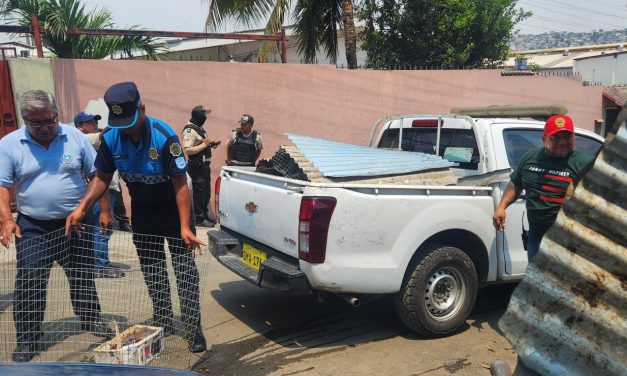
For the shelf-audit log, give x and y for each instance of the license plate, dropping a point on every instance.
(252, 256)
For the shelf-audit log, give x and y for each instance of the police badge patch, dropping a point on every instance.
(153, 154)
(175, 149)
(116, 109)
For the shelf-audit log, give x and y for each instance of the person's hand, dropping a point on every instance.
(207, 141)
(215, 144)
(106, 222)
(6, 233)
(498, 219)
(190, 240)
(73, 222)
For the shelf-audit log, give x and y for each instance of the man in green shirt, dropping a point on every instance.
(545, 174)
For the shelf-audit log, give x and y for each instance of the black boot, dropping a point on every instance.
(198, 343)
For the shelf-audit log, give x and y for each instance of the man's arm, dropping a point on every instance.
(509, 196)
(188, 139)
(97, 187)
(7, 225)
(258, 146)
(257, 154)
(182, 203)
(106, 219)
(191, 150)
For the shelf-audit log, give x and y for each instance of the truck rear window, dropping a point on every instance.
(423, 140)
(520, 141)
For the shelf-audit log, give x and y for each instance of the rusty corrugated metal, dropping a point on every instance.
(568, 315)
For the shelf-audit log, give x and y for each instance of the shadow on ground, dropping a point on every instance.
(289, 329)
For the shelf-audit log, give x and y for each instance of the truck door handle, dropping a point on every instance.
(295, 188)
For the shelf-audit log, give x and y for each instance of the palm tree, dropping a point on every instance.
(315, 23)
(57, 16)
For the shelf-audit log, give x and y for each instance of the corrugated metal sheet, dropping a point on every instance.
(336, 159)
(568, 316)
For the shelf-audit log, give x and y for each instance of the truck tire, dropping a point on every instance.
(438, 291)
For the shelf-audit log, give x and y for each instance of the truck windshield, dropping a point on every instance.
(520, 141)
(423, 140)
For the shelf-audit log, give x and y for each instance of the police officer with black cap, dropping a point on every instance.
(197, 146)
(244, 146)
(149, 158)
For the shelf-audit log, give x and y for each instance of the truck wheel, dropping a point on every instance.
(438, 292)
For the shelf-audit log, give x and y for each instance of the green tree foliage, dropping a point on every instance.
(57, 16)
(315, 23)
(438, 33)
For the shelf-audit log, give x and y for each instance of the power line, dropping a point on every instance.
(574, 7)
(609, 5)
(569, 23)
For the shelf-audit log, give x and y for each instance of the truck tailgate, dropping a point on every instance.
(262, 208)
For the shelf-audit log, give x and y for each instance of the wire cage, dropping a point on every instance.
(49, 298)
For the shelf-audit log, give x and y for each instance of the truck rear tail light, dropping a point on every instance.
(216, 197)
(424, 123)
(313, 228)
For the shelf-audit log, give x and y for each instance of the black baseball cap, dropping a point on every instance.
(200, 110)
(124, 102)
(247, 119)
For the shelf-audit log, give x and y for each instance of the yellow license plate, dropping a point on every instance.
(252, 256)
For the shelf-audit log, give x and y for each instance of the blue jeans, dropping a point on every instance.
(533, 245)
(101, 241)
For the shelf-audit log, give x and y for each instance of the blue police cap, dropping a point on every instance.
(83, 117)
(124, 102)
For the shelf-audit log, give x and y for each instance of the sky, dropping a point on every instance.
(548, 15)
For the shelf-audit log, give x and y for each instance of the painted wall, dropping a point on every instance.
(314, 100)
(30, 74)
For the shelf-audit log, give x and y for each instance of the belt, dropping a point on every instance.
(202, 159)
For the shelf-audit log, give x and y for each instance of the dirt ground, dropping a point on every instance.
(254, 331)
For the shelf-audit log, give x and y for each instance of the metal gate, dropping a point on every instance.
(8, 121)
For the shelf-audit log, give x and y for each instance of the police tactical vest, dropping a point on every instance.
(204, 152)
(244, 148)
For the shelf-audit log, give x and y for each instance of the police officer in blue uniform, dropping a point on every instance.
(149, 158)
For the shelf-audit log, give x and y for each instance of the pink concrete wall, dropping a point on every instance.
(314, 100)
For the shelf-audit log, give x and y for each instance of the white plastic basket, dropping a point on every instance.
(137, 345)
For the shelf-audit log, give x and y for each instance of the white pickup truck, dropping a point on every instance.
(432, 247)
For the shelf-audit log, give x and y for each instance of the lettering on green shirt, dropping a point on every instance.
(545, 181)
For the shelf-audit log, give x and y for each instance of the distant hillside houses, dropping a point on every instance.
(566, 39)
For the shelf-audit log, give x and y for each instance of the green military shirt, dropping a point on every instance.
(545, 181)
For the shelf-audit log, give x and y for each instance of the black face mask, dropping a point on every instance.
(199, 119)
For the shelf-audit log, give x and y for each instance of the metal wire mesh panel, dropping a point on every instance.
(52, 295)
(285, 164)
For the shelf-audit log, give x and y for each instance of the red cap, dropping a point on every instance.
(558, 123)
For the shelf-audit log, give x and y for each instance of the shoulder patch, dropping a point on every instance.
(175, 149)
(180, 162)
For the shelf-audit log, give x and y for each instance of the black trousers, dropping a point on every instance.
(149, 241)
(119, 210)
(42, 243)
(200, 172)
